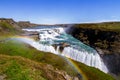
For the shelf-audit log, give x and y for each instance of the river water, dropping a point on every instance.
(73, 48)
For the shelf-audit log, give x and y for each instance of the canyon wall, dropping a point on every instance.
(105, 40)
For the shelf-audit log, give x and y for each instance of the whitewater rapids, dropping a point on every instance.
(76, 51)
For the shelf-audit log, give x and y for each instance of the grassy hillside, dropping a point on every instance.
(19, 68)
(21, 49)
(7, 29)
(24, 50)
(106, 26)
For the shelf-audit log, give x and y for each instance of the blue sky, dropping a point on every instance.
(61, 11)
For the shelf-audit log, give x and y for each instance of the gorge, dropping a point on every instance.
(68, 41)
(54, 39)
(105, 38)
(105, 41)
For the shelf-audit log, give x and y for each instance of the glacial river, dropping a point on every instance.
(72, 48)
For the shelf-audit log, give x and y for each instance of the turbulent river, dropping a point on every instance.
(57, 41)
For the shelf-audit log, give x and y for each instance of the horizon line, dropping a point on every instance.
(92, 22)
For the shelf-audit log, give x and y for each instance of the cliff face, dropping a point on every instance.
(106, 42)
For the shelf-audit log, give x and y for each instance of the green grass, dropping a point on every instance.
(15, 72)
(107, 26)
(7, 29)
(18, 68)
(96, 74)
(6, 25)
(14, 48)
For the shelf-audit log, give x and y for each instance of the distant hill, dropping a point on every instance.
(10, 23)
(8, 26)
(24, 24)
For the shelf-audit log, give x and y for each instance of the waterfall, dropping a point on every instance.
(76, 51)
(89, 59)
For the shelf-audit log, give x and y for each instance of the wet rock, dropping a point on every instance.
(55, 46)
(61, 46)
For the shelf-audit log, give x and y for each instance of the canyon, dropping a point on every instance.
(104, 42)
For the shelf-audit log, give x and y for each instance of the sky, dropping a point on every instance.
(60, 11)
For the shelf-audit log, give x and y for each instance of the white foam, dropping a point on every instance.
(88, 58)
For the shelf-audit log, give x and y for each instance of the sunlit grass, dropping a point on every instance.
(18, 68)
(15, 48)
(107, 26)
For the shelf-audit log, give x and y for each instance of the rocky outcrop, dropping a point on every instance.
(61, 46)
(106, 42)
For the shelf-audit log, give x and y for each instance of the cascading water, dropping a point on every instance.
(75, 49)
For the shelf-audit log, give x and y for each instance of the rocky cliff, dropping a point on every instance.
(105, 38)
